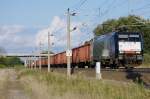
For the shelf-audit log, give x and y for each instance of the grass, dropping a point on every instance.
(2, 66)
(60, 87)
(146, 60)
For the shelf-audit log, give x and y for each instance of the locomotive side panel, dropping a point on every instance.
(103, 47)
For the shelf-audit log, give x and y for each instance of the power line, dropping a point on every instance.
(143, 13)
(103, 3)
(80, 4)
(108, 8)
(114, 7)
(106, 11)
(141, 8)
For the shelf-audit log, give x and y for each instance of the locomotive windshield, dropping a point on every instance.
(129, 37)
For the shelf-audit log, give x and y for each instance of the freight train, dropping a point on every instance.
(113, 50)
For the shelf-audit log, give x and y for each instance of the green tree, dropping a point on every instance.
(10, 61)
(2, 61)
(132, 22)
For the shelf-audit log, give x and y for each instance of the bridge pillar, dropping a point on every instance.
(25, 63)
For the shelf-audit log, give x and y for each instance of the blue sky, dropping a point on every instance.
(23, 23)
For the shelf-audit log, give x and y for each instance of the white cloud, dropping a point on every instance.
(20, 38)
(9, 30)
(12, 38)
(56, 25)
(58, 29)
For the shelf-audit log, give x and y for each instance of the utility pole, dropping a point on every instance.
(32, 62)
(49, 64)
(28, 64)
(128, 7)
(40, 47)
(35, 59)
(99, 12)
(68, 45)
(69, 51)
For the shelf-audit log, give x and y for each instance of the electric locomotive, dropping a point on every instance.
(118, 49)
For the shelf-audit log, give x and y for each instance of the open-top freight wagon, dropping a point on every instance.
(113, 49)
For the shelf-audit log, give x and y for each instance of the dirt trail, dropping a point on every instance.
(10, 86)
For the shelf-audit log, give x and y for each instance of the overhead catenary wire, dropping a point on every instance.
(99, 16)
(102, 14)
(143, 13)
(108, 8)
(102, 4)
(80, 4)
(141, 8)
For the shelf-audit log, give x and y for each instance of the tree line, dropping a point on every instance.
(9, 61)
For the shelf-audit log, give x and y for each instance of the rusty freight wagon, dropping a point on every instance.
(80, 56)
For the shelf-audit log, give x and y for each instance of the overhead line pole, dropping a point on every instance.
(129, 7)
(68, 45)
(32, 60)
(35, 59)
(40, 55)
(49, 64)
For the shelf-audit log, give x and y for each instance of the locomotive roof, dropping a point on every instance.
(115, 33)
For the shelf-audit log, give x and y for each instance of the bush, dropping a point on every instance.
(146, 59)
(2, 66)
(10, 61)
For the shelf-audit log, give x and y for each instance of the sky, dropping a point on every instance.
(25, 23)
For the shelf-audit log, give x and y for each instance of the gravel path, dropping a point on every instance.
(10, 86)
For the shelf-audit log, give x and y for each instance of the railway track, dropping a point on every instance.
(142, 70)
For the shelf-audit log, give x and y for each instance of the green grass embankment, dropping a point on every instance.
(146, 61)
(55, 86)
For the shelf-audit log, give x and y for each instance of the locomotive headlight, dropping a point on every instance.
(121, 52)
(138, 52)
(139, 57)
(120, 57)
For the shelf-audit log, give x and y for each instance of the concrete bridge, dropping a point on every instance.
(25, 55)
(29, 59)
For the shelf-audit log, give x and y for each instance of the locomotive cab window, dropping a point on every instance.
(123, 37)
(130, 38)
(134, 38)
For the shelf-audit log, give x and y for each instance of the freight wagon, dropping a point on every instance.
(113, 49)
